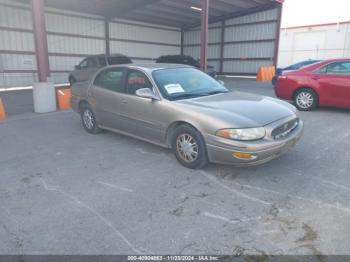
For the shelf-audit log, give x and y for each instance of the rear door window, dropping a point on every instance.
(111, 79)
(338, 68)
(341, 68)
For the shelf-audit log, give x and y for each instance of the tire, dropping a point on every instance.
(88, 119)
(195, 156)
(72, 80)
(306, 99)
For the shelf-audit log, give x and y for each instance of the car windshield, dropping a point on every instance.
(182, 83)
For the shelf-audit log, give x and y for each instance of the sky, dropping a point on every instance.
(306, 12)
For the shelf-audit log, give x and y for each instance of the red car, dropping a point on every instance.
(326, 83)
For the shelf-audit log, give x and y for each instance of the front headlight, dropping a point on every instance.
(245, 134)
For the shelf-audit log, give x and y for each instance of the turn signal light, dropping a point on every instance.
(244, 155)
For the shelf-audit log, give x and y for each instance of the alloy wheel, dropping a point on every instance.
(88, 118)
(187, 148)
(304, 100)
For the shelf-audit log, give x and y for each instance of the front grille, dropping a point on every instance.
(284, 129)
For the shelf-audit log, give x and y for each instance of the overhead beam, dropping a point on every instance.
(131, 6)
(185, 6)
(241, 4)
(163, 15)
(153, 20)
(158, 18)
(234, 15)
(173, 11)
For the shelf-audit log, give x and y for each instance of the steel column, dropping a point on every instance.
(222, 45)
(182, 41)
(40, 37)
(204, 34)
(278, 31)
(107, 37)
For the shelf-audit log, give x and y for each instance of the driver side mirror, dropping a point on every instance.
(146, 93)
(77, 67)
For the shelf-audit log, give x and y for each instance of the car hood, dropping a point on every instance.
(241, 109)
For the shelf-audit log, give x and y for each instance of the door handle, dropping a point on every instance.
(124, 101)
(315, 77)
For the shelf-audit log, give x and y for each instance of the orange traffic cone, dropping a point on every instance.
(63, 98)
(2, 110)
(265, 73)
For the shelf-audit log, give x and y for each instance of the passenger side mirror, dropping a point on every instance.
(146, 93)
(221, 82)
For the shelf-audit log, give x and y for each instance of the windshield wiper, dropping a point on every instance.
(187, 95)
(191, 95)
(216, 92)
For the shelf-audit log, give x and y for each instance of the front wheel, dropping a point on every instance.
(189, 147)
(305, 99)
(89, 120)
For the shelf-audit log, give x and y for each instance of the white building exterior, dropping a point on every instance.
(314, 42)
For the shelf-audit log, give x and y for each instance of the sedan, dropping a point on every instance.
(90, 65)
(181, 108)
(326, 84)
(293, 67)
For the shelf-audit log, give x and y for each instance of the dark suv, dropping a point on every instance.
(89, 66)
(185, 60)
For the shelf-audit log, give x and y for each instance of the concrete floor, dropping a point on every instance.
(64, 191)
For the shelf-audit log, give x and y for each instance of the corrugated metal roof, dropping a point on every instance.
(166, 12)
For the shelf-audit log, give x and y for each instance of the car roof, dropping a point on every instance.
(320, 64)
(152, 66)
(336, 60)
(328, 61)
(104, 55)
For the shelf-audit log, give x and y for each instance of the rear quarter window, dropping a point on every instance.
(111, 79)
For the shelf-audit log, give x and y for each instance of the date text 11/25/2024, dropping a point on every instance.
(173, 258)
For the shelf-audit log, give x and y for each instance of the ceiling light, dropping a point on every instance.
(196, 8)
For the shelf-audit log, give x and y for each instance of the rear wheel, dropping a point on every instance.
(89, 120)
(189, 147)
(306, 99)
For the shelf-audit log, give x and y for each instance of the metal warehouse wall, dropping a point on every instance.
(249, 42)
(72, 36)
(314, 42)
(17, 51)
(143, 42)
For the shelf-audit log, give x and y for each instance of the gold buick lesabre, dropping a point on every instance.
(184, 109)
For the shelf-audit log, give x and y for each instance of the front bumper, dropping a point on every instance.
(220, 150)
